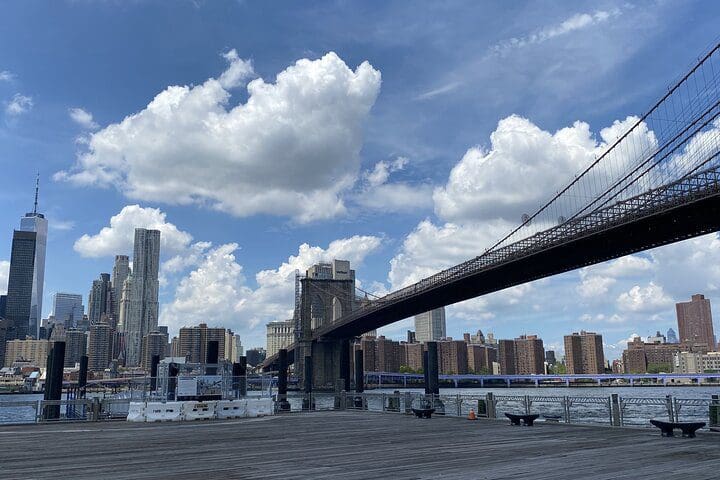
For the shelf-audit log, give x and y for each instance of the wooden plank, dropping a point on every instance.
(353, 445)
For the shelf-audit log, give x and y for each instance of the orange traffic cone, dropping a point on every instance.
(471, 415)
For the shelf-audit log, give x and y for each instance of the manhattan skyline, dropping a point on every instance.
(387, 189)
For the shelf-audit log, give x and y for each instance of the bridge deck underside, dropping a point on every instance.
(351, 445)
(683, 221)
(680, 223)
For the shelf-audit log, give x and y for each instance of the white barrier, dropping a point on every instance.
(259, 407)
(136, 412)
(178, 411)
(164, 411)
(199, 410)
(231, 409)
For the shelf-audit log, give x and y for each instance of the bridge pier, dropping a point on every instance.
(331, 364)
(282, 403)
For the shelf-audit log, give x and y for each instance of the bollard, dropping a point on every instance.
(82, 376)
(615, 419)
(566, 409)
(308, 402)
(359, 378)
(432, 368)
(282, 403)
(345, 365)
(54, 379)
(425, 372)
(154, 362)
(242, 360)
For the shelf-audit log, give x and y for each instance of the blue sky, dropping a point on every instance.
(262, 137)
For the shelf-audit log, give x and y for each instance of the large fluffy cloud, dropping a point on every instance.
(524, 167)
(118, 238)
(291, 149)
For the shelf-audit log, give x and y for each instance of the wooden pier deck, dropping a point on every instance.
(351, 445)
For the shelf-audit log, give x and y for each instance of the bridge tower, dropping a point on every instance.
(327, 292)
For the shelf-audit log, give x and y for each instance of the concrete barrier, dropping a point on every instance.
(164, 411)
(231, 409)
(136, 412)
(199, 410)
(259, 407)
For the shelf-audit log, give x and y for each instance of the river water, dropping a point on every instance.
(589, 404)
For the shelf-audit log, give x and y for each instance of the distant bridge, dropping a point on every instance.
(658, 183)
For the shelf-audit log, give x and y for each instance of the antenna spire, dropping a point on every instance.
(37, 188)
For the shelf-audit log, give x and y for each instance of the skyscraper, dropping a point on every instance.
(100, 300)
(430, 326)
(36, 222)
(75, 346)
(695, 323)
(68, 309)
(142, 317)
(20, 284)
(99, 346)
(671, 336)
(121, 270)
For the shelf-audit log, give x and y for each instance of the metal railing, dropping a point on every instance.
(613, 410)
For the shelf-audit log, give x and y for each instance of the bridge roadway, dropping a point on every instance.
(350, 445)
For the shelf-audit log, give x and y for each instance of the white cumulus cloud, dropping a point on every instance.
(18, 105)
(291, 149)
(651, 298)
(380, 195)
(82, 118)
(216, 290)
(4, 272)
(118, 238)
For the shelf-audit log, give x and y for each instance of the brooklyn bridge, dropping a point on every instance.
(658, 183)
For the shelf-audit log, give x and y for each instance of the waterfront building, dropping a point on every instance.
(99, 346)
(37, 223)
(33, 351)
(194, 341)
(430, 326)
(642, 357)
(100, 300)
(506, 357)
(20, 284)
(255, 356)
(584, 353)
(141, 316)
(481, 358)
(280, 334)
(154, 343)
(75, 346)
(453, 357)
(695, 325)
(68, 309)
(121, 271)
(696, 362)
(671, 336)
(529, 355)
(413, 356)
(388, 355)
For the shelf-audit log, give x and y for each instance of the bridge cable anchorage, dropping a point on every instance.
(668, 157)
